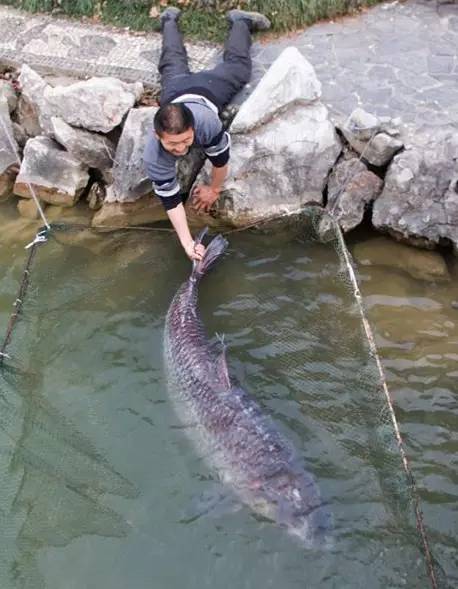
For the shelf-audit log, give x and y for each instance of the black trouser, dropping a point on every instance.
(219, 84)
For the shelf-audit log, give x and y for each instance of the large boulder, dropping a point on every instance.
(351, 188)
(283, 164)
(94, 150)
(419, 201)
(290, 79)
(130, 181)
(56, 176)
(8, 151)
(97, 104)
(33, 112)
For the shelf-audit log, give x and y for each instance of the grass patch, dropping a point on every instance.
(201, 19)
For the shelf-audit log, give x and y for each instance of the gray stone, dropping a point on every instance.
(33, 102)
(420, 264)
(19, 135)
(290, 79)
(361, 126)
(130, 181)
(7, 91)
(378, 150)
(420, 198)
(280, 167)
(96, 151)
(28, 118)
(98, 104)
(56, 176)
(8, 151)
(351, 188)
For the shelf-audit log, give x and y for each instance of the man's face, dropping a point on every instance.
(177, 144)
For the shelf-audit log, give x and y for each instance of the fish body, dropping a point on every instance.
(227, 425)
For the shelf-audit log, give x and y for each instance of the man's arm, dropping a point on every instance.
(160, 168)
(218, 152)
(204, 196)
(177, 216)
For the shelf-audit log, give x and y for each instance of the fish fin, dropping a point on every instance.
(214, 250)
(221, 363)
(215, 501)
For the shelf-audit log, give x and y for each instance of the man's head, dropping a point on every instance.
(174, 126)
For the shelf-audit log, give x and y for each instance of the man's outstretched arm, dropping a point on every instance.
(177, 216)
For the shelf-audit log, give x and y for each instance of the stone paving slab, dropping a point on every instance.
(62, 46)
(398, 58)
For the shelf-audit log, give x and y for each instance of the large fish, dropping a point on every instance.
(229, 428)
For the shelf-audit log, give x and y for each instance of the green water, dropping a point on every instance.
(98, 477)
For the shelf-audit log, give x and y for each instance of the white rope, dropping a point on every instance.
(18, 159)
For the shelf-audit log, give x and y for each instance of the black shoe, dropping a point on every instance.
(255, 20)
(170, 13)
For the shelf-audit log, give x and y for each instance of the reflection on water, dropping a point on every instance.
(96, 475)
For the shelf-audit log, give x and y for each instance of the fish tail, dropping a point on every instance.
(214, 250)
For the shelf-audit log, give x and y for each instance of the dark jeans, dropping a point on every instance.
(219, 84)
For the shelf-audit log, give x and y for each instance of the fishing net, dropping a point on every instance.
(96, 471)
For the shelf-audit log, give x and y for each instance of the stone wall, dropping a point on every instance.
(83, 141)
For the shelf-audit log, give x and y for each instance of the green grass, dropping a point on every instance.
(197, 21)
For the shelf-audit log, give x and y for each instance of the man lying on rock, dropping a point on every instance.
(188, 115)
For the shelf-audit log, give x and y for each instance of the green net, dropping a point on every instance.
(97, 472)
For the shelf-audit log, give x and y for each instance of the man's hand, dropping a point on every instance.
(203, 197)
(193, 251)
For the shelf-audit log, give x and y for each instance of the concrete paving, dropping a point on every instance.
(398, 59)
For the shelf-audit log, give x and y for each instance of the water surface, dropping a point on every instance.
(99, 477)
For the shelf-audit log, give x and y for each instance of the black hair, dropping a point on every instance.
(173, 119)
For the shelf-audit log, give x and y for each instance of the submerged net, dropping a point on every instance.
(94, 467)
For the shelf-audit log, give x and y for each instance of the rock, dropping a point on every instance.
(189, 167)
(379, 150)
(57, 177)
(130, 181)
(96, 196)
(279, 167)
(19, 135)
(97, 104)
(361, 130)
(351, 188)
(291, 79)
(145, 210)
(33, 104)
(28, 118)
(8, 93)
(420, 264)
(361, 125)
(8, 151)
(96, 151)
(419, 200)
(28, 209)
